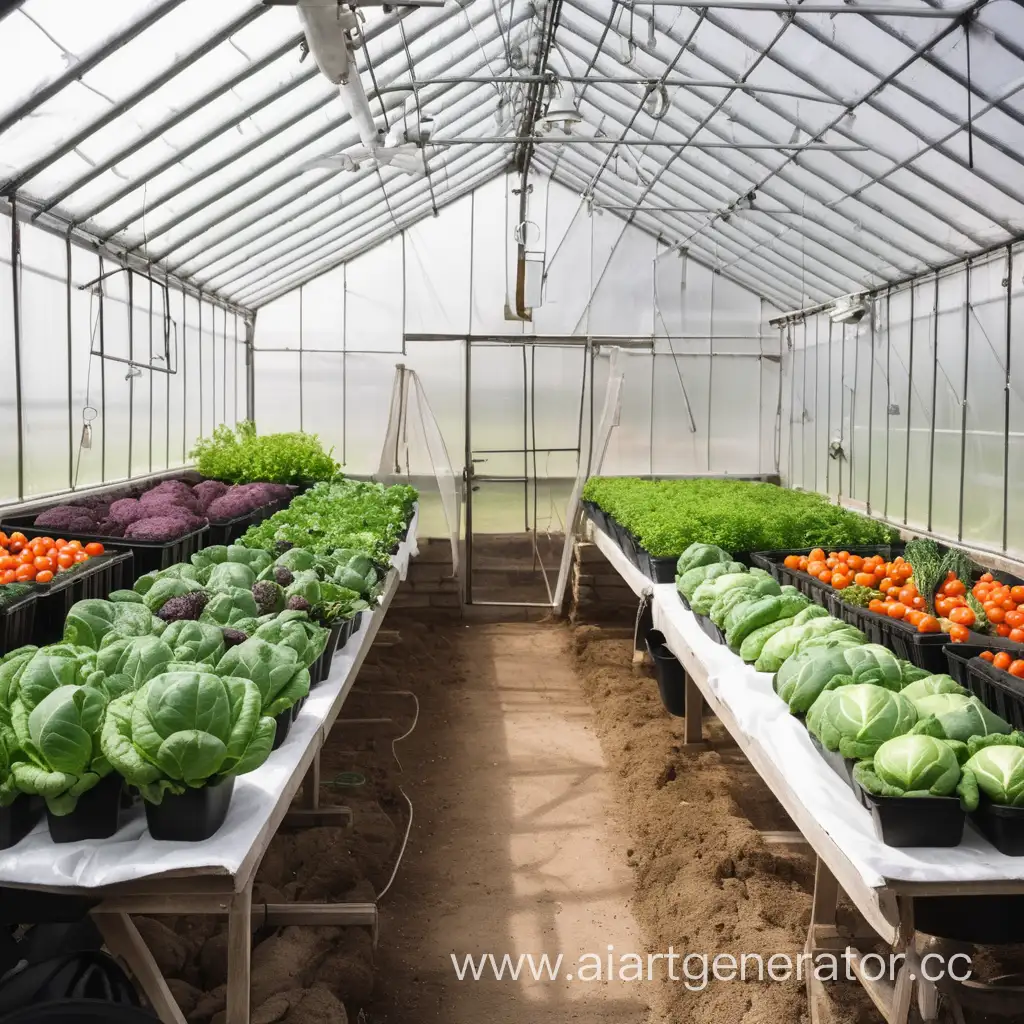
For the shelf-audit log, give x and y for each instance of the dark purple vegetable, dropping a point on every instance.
(208, 491)
(298, 604)
(234, 637)
(162, 528)
(67, 519)
(267, 594)
(126, 511)
(171, 499)
(185, 606)
(283, 576)
(110, 528)
(282, 546)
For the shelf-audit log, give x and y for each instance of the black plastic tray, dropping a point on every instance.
(997, 690)
(96, 815)
(94, 579)
(340, 632)
(657, 569)
(17, 621)
(915, 821)
(18, 819)
(284, 726)
(148, 556)
(1002, 826)
(670, 674)
(710, 628)
(985, 920)
(810, 586)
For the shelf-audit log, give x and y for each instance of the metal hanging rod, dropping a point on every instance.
(490, 140)
(782, 7)
(699, 209)
(673, 82)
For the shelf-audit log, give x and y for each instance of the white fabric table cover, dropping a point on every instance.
(133, 854)
(805, 785)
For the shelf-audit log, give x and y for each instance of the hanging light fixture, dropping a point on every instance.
(561, 115)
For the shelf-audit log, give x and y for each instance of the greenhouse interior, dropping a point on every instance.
(507, 511)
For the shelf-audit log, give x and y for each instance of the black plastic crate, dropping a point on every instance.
(710, 628)
(997, 690)
(657, 569)
(17, 621)
(92, 580)
(810, 586)
(231, 530)
(148, 556)
(958, 657)
(915, 821)
(1002, 826)
(842, 766)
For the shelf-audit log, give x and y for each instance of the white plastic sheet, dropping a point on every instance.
(133, 854)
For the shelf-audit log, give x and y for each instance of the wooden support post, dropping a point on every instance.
(340, 915)
(124, 942)
(821, 929)
(693, 724)
(310, 799)
(239, 954)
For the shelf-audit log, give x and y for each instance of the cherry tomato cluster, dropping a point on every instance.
(1005, 661)
(39, 560)
(1003, 604)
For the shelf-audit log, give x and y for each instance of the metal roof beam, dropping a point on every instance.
(9, 7)
(186, 61)
(95, 56)
(782, 7)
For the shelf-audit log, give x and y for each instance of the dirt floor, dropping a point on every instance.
(554, 811)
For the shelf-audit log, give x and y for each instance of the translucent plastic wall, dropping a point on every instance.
(699, 397)
(922, 402)
(148, 397)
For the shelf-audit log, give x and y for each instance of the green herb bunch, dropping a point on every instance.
(737, 515)
(242, 456)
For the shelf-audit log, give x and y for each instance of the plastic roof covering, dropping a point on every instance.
(184, 144)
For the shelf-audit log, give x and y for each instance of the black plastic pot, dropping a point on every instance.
(915, 821)
(709, 628)
(334, 643)
(1002, 826)
(94, 817)
(985, 920)
(191, 816)
(17, 820)
(669, 672)
(284, 725)
(842, 766)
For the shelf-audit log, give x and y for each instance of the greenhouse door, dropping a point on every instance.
(524, 401)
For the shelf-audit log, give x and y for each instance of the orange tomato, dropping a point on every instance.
(3, 539)
(816, 566)
(18, 537)
(907, 595)
(26, 573)
(914, 616)
(831, 562)
(1002, 660)
(802, 566)
(1017, 592)
(44, 577)
(16, 547)
(928, 624)
(943, 606)
(855, 562)
(94, 549)
(986, 656)
(1014, 619)
(790, 561)
(7, 576)
(843, 556)
(42, 564)
(1017, 668)
(825, 575)
(840, 580)
(953, 588)
(26, 557)
(894, 592)
(982, 591)
(876, 606)
(59, 543)
(896, 610)
(1017, 636)
(1003, 629)
(986, 577)
(75, 545)
(995, 614)
(864, 579)
(65, 560)
(959, 634)
(962, 616)
(817, 555)
(81, 556)
(885, 583)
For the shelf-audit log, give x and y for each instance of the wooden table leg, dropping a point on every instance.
(239, 955)
(310, 799)
(693, 724)
(124, 942)
(821, 929)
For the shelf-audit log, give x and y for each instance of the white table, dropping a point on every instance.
(131, 873)
(882, 881)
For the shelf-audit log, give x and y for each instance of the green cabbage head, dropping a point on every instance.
(90, 621)
(295, 630)
(8, 787)
(995, 769)
(960, 716)
(857, 719)
(195, 641)
(60, 738)
(186, 729)
(912, 766)
(128, 662)
(274, 668)
(928, 686)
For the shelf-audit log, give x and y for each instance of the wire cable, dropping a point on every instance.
(394, 754)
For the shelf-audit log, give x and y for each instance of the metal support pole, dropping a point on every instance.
(1006, 395)
(935, 381)
(16, 310)
(250, 369)
(888, 392)
(71, 422)
(910, 393)
(871, 406)
(963, 400)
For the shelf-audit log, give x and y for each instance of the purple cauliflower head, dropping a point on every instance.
(161, 528)
(110, 528)
(126, 511)
(234, 637)
(296, 603)
(165, 505)
(208, 491)
(67, 519)
(171, 498)
(230, 505)
(184, 606)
